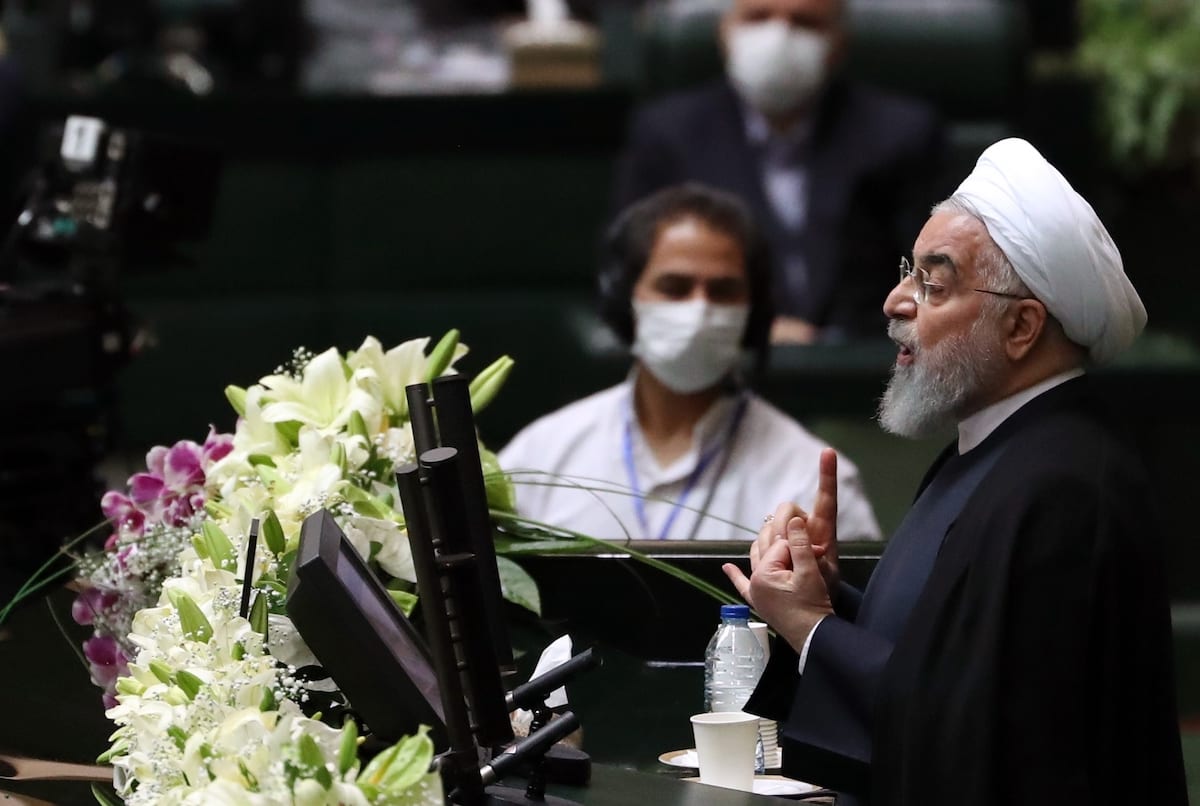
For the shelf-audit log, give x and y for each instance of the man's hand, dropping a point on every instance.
(794, 561)
(822, 523)
(786, 587)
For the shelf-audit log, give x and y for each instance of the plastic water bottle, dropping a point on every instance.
(733, 663)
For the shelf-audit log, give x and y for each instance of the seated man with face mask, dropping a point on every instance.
(682, 449)
(839, 174)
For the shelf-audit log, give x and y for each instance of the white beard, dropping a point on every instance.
(932, 392)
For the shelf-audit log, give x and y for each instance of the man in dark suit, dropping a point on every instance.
(838, 174)
(1014, 643)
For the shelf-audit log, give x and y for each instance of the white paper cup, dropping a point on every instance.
(725, 744)
(759, 628)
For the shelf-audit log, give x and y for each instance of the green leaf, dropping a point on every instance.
(177, 734)
(404, 765)
(236, 396)
(272, 532)
(268, 475)
(373, 773)
(404, 600)
(256, 459)
(250, 778)
(267, 703)
(442, 355)
(217, 510)
(102, 797)
(366, 504)
(496, 483)
(518, 586)
(290, 431)
(358, 426)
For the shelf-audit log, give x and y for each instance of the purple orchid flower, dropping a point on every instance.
(90, 602)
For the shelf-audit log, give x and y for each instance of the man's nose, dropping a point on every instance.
(899, 303)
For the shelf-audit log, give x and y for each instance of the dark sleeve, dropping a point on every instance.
(829, 707)
(649, 163)
(777, 686)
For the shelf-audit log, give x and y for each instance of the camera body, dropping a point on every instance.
(101, 202)
(103, 192)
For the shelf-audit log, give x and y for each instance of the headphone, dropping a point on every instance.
(628, 241)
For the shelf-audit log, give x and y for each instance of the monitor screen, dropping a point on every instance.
(360, 636)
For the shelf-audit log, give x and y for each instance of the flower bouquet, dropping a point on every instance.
(210, 700)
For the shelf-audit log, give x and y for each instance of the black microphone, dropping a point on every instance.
(532, 694)
(530, 747)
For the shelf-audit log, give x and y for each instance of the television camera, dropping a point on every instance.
(102, 202)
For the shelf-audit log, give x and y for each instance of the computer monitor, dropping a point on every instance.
(360, 636)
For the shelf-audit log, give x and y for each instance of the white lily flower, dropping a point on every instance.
(401, 366)
(394, 555)
(324, 397)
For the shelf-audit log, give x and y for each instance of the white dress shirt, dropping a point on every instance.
(771, 458)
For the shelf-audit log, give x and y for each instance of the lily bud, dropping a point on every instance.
(486, 385)
(220, 549)
(441, 356)
(357, 426)
(236, 396)
(161, 670)
(348, 753)
(189, 683)
(130, 685)
(272, 532)
(258, 614)
(195, 624)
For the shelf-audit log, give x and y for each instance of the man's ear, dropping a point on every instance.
(1025, 323)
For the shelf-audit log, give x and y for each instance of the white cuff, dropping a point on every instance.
(807, 644)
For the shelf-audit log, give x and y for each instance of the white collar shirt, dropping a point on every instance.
(570, 471)
(979, 426)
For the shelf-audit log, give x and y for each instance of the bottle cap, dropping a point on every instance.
(735, 611)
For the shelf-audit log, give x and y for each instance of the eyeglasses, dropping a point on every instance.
(927, 289)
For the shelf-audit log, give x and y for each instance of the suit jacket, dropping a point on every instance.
(872, 166)
(1035, 666)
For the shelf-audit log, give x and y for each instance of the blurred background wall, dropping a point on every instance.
(398, 169)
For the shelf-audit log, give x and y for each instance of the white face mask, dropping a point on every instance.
(689, 346)
(776, 68)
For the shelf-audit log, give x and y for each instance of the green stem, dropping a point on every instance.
(60, 573)
(35, 582)
(611, 488)
(62, 630)
(666, 567)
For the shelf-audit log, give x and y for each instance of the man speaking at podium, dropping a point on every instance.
(1013, 644)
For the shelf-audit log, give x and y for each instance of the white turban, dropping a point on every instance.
(1057, 246)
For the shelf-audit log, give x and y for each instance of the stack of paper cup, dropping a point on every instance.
(768, 729)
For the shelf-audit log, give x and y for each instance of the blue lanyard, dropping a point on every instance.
(706, 458)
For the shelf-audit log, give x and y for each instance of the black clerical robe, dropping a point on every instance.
(1034, 667)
